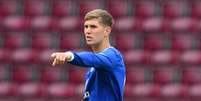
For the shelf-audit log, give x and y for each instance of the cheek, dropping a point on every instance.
(85, 31)
(100, 36)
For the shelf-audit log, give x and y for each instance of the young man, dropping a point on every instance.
(106, 76)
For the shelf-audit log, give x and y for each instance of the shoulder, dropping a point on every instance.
(114, 56)
(111, 53)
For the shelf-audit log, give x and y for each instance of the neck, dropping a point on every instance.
(98, 48)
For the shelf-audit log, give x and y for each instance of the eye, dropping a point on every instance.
(93, 26)
(85, 26)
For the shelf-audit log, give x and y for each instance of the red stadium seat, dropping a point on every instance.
(152, 25)
(191, 75)
(166, 25)
(32, 90)
(70, 41)
(70, 23)
(124, 24)
(41, 41)
(15, 23)
(51, 74)
(45, 56)
(122, 40)
(184, 25)
(24, 56)
(146, 91)
(153, 42)
(117, 8)
(174, 91)
(76, 75)
(22, 74)
(35, 7)
(86, 6)
(144, 9)
(136, 76)
(62, 90)
(165, 57)
(138, 24)
(195, 92)
(8, 8)
(164, 75)
(128, 90)
(14, 41)
(191, 57)
(4, 55)
(7, 89)
(43, 23)
(173, 9)
(161, 57)
(61, 8)
(136, 57)
(181, 42)
(195, 9)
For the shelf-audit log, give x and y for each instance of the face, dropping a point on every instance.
(95, 32)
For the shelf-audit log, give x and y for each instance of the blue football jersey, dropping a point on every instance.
(106, 76)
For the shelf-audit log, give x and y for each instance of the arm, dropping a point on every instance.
(85, 59)
(89, 59)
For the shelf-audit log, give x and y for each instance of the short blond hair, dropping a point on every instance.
(105, 17)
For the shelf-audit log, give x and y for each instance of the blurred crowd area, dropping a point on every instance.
(160, 41)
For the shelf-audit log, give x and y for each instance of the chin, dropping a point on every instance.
(91, 44)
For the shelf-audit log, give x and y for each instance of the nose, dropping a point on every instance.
(87, 30)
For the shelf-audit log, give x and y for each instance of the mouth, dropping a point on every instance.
(89, 38)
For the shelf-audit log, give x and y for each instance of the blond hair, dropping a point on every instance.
(105, 17)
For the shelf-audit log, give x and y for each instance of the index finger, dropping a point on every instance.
(54, 62)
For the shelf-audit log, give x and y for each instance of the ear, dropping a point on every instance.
(108, 30)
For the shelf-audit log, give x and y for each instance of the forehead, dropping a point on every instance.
(94, 21)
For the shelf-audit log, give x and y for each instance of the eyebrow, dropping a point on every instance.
(90, 26)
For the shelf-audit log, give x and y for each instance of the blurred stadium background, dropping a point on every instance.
(160, 40)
